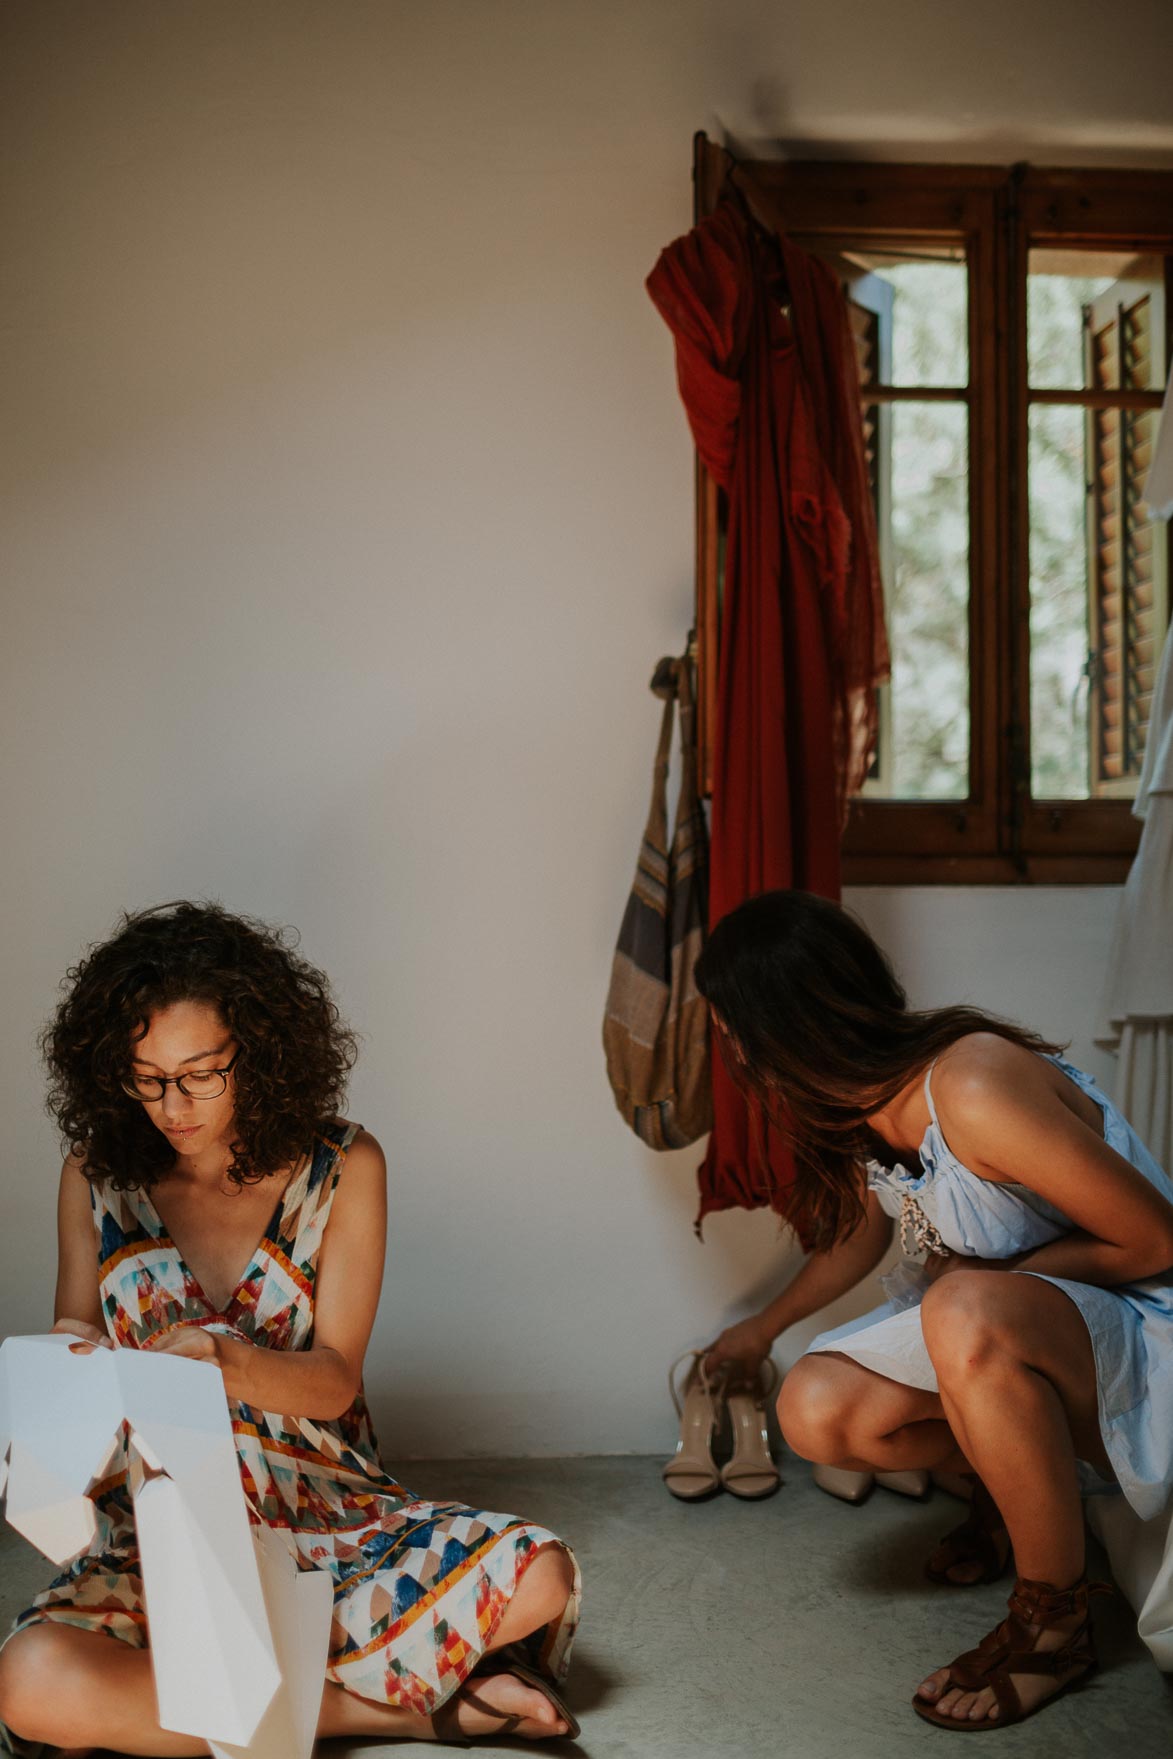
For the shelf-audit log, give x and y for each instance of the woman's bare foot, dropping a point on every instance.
(1032, 1689)
(487, 1701)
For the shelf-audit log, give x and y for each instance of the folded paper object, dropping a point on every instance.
(238, 1635)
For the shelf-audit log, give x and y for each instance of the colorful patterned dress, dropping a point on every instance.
(419, 1587)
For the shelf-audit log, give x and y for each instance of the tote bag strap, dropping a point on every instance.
(664, 684)
(687, 802)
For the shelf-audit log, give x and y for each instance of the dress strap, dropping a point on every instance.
(308, 1209)
(929, 1092)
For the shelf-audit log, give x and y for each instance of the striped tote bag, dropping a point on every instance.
(656, 1029)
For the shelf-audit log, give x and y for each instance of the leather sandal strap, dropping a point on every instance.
(1076, 1652)
(446, 1727)
(971, 1541)
(507, 1720)
(972, 1671)
(697, 1358)
(1005, 1696)
(979, 1671)
(1040, 1603)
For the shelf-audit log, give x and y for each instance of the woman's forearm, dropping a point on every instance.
(822, 1279)
(318, 1382)
(827, 1275)
(1082, 1258)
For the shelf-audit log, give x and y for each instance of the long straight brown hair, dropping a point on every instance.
(817, 1030)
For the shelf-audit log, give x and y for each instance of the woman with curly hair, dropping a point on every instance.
(1039, 1332)
(214, 1205)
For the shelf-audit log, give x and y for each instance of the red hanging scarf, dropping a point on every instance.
(774, 410)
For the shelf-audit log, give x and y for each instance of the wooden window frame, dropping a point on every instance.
(999, 834)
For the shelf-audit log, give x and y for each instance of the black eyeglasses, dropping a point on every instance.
(199, 1084)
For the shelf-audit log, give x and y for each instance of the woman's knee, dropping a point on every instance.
(814, 1411)
(549, 1580)
(37, 1684)
(964, 1320)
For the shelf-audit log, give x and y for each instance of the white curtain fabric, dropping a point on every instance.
(1141, 1554)
(1137, 1023)
(1136, 1013)
(1144, 1083)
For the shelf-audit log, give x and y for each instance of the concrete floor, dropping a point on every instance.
(796, 1628)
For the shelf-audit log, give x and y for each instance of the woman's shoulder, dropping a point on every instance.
(980, 1059)
(346, 1170)
(981, 1068)
(352, 1146)
(76, 1192)
(357, 1193)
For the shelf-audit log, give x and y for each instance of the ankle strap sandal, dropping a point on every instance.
(692, 1474)
(750, 1472)
(1009, 1650)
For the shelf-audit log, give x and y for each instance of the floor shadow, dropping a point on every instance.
(590, 1683)
(893, 1561)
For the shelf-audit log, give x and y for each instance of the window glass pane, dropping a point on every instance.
(1059, 638)
(921, 304)
(1098, 599)
(928, 603)
(1074, 339)
(929, 344)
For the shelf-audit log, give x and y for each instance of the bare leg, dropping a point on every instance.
(73, 1688)
(1018, 1386)
(837, 1413)
(540, 1598)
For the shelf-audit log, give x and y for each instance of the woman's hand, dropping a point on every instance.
(193, 1341)
(742, 1347)
(91, 1337)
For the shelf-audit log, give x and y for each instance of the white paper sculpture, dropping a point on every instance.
(239, 1635)
(300, 1604)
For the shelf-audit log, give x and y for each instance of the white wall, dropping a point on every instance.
(347, 507)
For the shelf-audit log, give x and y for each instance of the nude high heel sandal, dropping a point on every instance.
(751, 1472)
(692, 1474)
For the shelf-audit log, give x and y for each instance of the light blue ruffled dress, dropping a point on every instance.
(1131, 1326)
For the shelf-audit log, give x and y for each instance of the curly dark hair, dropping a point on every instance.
(295, 1050)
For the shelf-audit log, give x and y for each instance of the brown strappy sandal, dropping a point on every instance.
(447, 1730)
(1010, 1650)
(446, 1727)
(980, 1539)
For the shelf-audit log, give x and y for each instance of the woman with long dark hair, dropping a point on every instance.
(1034, 1351)
(213, 1204)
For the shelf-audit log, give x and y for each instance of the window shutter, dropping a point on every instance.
(869, 310)
(1127, 611)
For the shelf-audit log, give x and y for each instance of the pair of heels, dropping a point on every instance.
(854, 1486)
(716, 1410)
